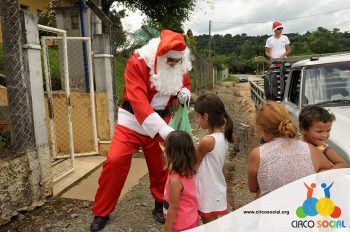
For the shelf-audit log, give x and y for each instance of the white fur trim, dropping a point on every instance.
(159, 101)
(148, 52)
(175, 54)
(125, 118)
(152, 124)
(165, 131)
(280, 26)
(186, 91)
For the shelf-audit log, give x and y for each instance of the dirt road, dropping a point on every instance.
(134, 210)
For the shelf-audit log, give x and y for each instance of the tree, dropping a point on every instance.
(299, 44)
(219, 62)
(260, 62)
(191, 42)
(323, 41)
(248, 51)
(240, 50)
(165, 14)
(160, 14)
(48, 15)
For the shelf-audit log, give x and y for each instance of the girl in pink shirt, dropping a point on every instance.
(180, 195)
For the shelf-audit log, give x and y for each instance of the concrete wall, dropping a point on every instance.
(25, 176)
(24, 182)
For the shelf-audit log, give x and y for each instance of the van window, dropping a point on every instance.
(294, 90)
(327, 83)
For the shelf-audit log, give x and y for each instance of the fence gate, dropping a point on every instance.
(69, 97)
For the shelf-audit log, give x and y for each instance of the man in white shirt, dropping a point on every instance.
(277, 46)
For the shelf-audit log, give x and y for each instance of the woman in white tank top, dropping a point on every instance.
(283, 158)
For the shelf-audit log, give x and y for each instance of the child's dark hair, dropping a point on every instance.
(314, 113)
(180, 153)
(217, 115)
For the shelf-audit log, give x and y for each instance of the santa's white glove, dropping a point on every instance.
(182, 97)
(165, 131)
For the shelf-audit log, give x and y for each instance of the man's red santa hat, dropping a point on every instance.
(171, 44)
(276, 25)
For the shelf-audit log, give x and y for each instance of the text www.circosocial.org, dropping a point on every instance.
(286, 212)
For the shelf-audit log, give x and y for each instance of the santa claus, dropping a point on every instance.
(154, 76)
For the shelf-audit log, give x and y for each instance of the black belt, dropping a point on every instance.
(127, 106)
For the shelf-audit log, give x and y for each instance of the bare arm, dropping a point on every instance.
(206, 144)
(288, 50)
(319, 160)
(336, 160)
(253, 166)
(175, 188)
(267, 53)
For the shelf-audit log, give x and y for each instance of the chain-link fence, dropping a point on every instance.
(16, 123)
(70, 100)
(57, 100)
(5, 131)
(82, 96)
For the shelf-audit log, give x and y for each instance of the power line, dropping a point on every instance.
(287, 19)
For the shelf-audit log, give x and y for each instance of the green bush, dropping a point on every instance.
(54, 63)
(120, 63)
(54, 67)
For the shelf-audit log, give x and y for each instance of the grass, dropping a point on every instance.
(233, 78)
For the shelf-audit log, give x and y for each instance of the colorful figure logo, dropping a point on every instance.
(323, 206)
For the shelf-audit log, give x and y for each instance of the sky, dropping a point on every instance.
(255, 17)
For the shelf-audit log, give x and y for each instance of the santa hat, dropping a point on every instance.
(171, 44)
(276, 25)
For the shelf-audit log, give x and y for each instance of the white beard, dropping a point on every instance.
(168, 80)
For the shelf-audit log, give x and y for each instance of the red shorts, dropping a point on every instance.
(214, 213)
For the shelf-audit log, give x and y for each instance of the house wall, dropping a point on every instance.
(35, 6)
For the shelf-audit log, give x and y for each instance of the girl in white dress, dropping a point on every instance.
(211, 185)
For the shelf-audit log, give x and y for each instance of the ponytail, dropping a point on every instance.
(228, 128)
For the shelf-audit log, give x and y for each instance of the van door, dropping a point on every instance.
(292, 99)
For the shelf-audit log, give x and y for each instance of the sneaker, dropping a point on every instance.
(157, 212)
(98, 223)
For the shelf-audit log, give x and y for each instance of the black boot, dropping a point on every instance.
(98, 223)
(157, 212)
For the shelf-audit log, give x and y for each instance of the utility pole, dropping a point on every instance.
(209, 47)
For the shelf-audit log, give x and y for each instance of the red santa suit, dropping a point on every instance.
(142, 119)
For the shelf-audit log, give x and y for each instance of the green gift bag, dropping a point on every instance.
(180, 121)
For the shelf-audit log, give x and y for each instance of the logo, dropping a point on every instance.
(324, 206)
